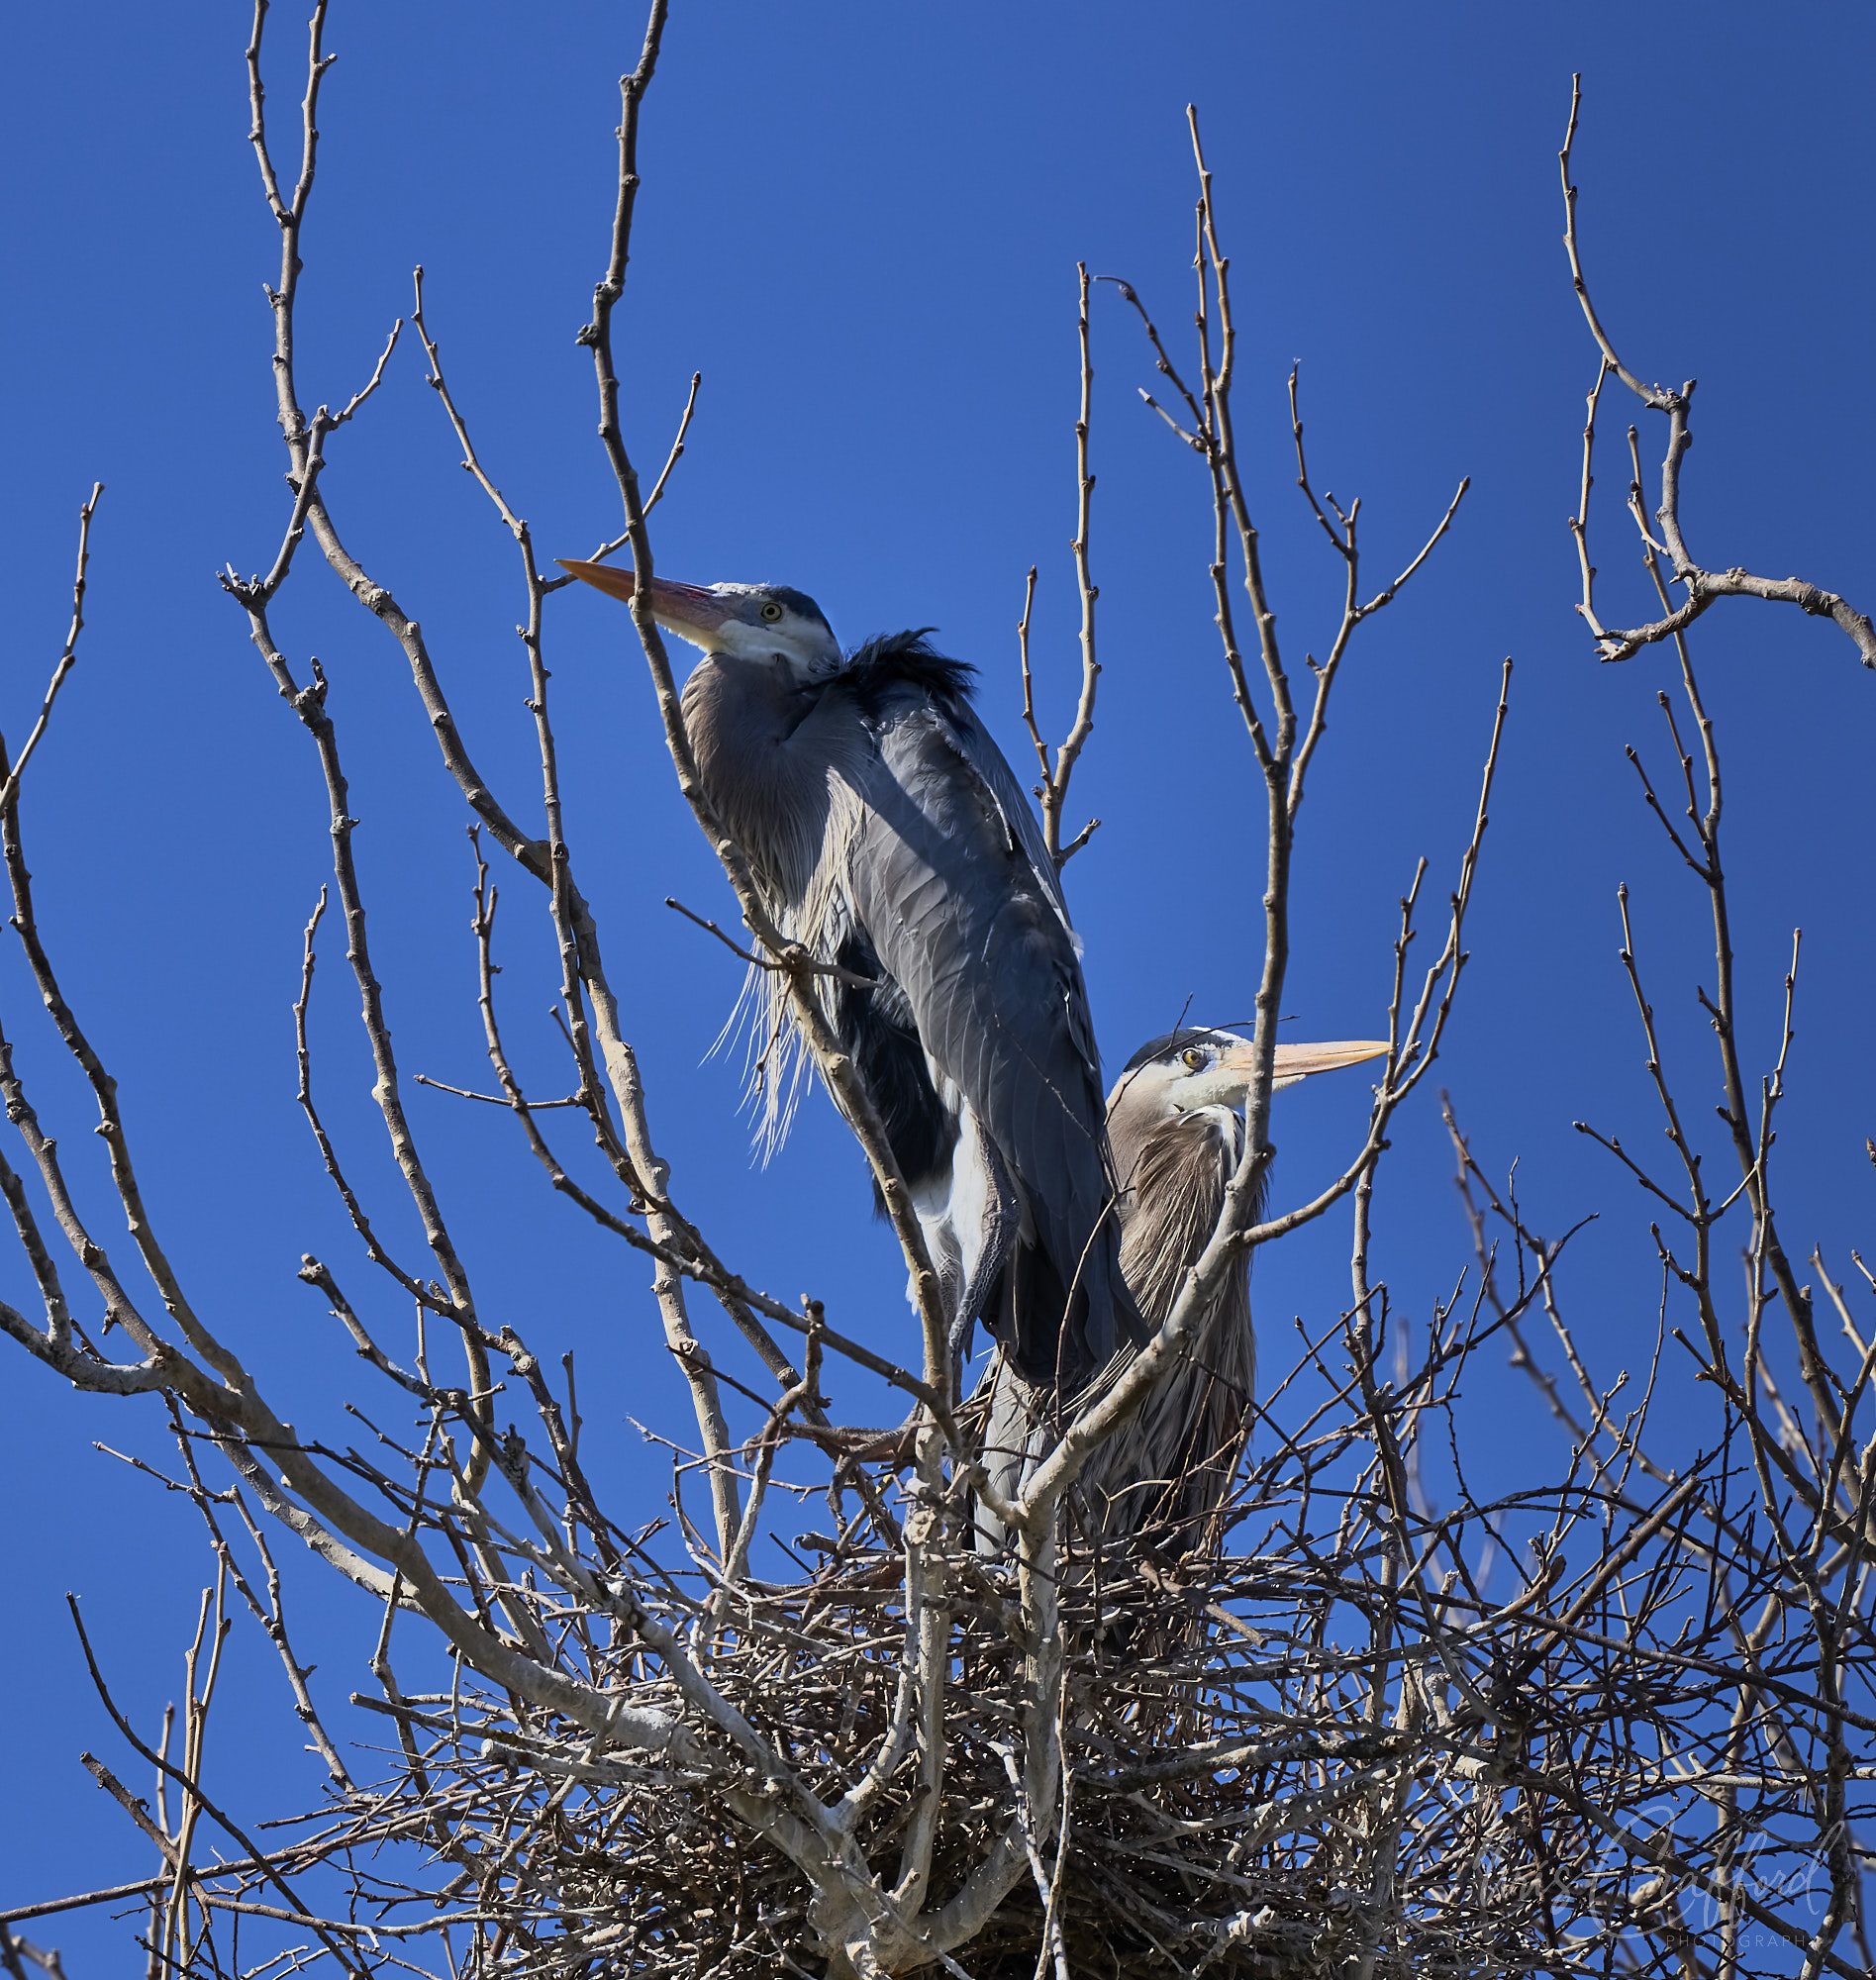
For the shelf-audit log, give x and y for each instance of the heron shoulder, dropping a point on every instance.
(916, 704)
(905, 661)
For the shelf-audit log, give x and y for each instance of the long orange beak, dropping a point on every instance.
(1296, 1063)
(687, 610)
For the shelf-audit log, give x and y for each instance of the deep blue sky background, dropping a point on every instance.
(862, 226)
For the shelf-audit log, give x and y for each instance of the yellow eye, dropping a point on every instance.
(1194, 1057)
(771, 612)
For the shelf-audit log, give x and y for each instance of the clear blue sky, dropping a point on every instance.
(862, 226)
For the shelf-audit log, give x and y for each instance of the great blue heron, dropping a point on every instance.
(1177, 1132)
(888, 836)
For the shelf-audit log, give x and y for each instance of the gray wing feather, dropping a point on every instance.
(948, 875)
(989, 763)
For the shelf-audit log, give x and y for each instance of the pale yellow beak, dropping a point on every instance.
(687, 610)
(1295, 1062)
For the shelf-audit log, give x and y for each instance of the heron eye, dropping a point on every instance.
(771, 612)
(1194, 1057)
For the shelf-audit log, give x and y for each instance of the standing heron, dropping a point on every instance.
(888, 837)
(1177, 1131)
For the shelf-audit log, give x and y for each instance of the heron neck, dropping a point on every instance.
(742, 717)
(1173, 1173)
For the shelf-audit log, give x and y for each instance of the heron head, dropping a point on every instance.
(1201, 1067)
(772, 624)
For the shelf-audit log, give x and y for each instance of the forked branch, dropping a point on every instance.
(1702, 586)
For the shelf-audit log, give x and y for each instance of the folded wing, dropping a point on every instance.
(948, 876)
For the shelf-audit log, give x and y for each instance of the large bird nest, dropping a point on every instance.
(1325, 1750)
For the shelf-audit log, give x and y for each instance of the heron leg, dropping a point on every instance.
(985, 1214)
(968, 1213)
(1018, 1434)
(931, 1203)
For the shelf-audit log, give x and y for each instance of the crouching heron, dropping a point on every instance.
(888, 836)
(1177, 1132)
